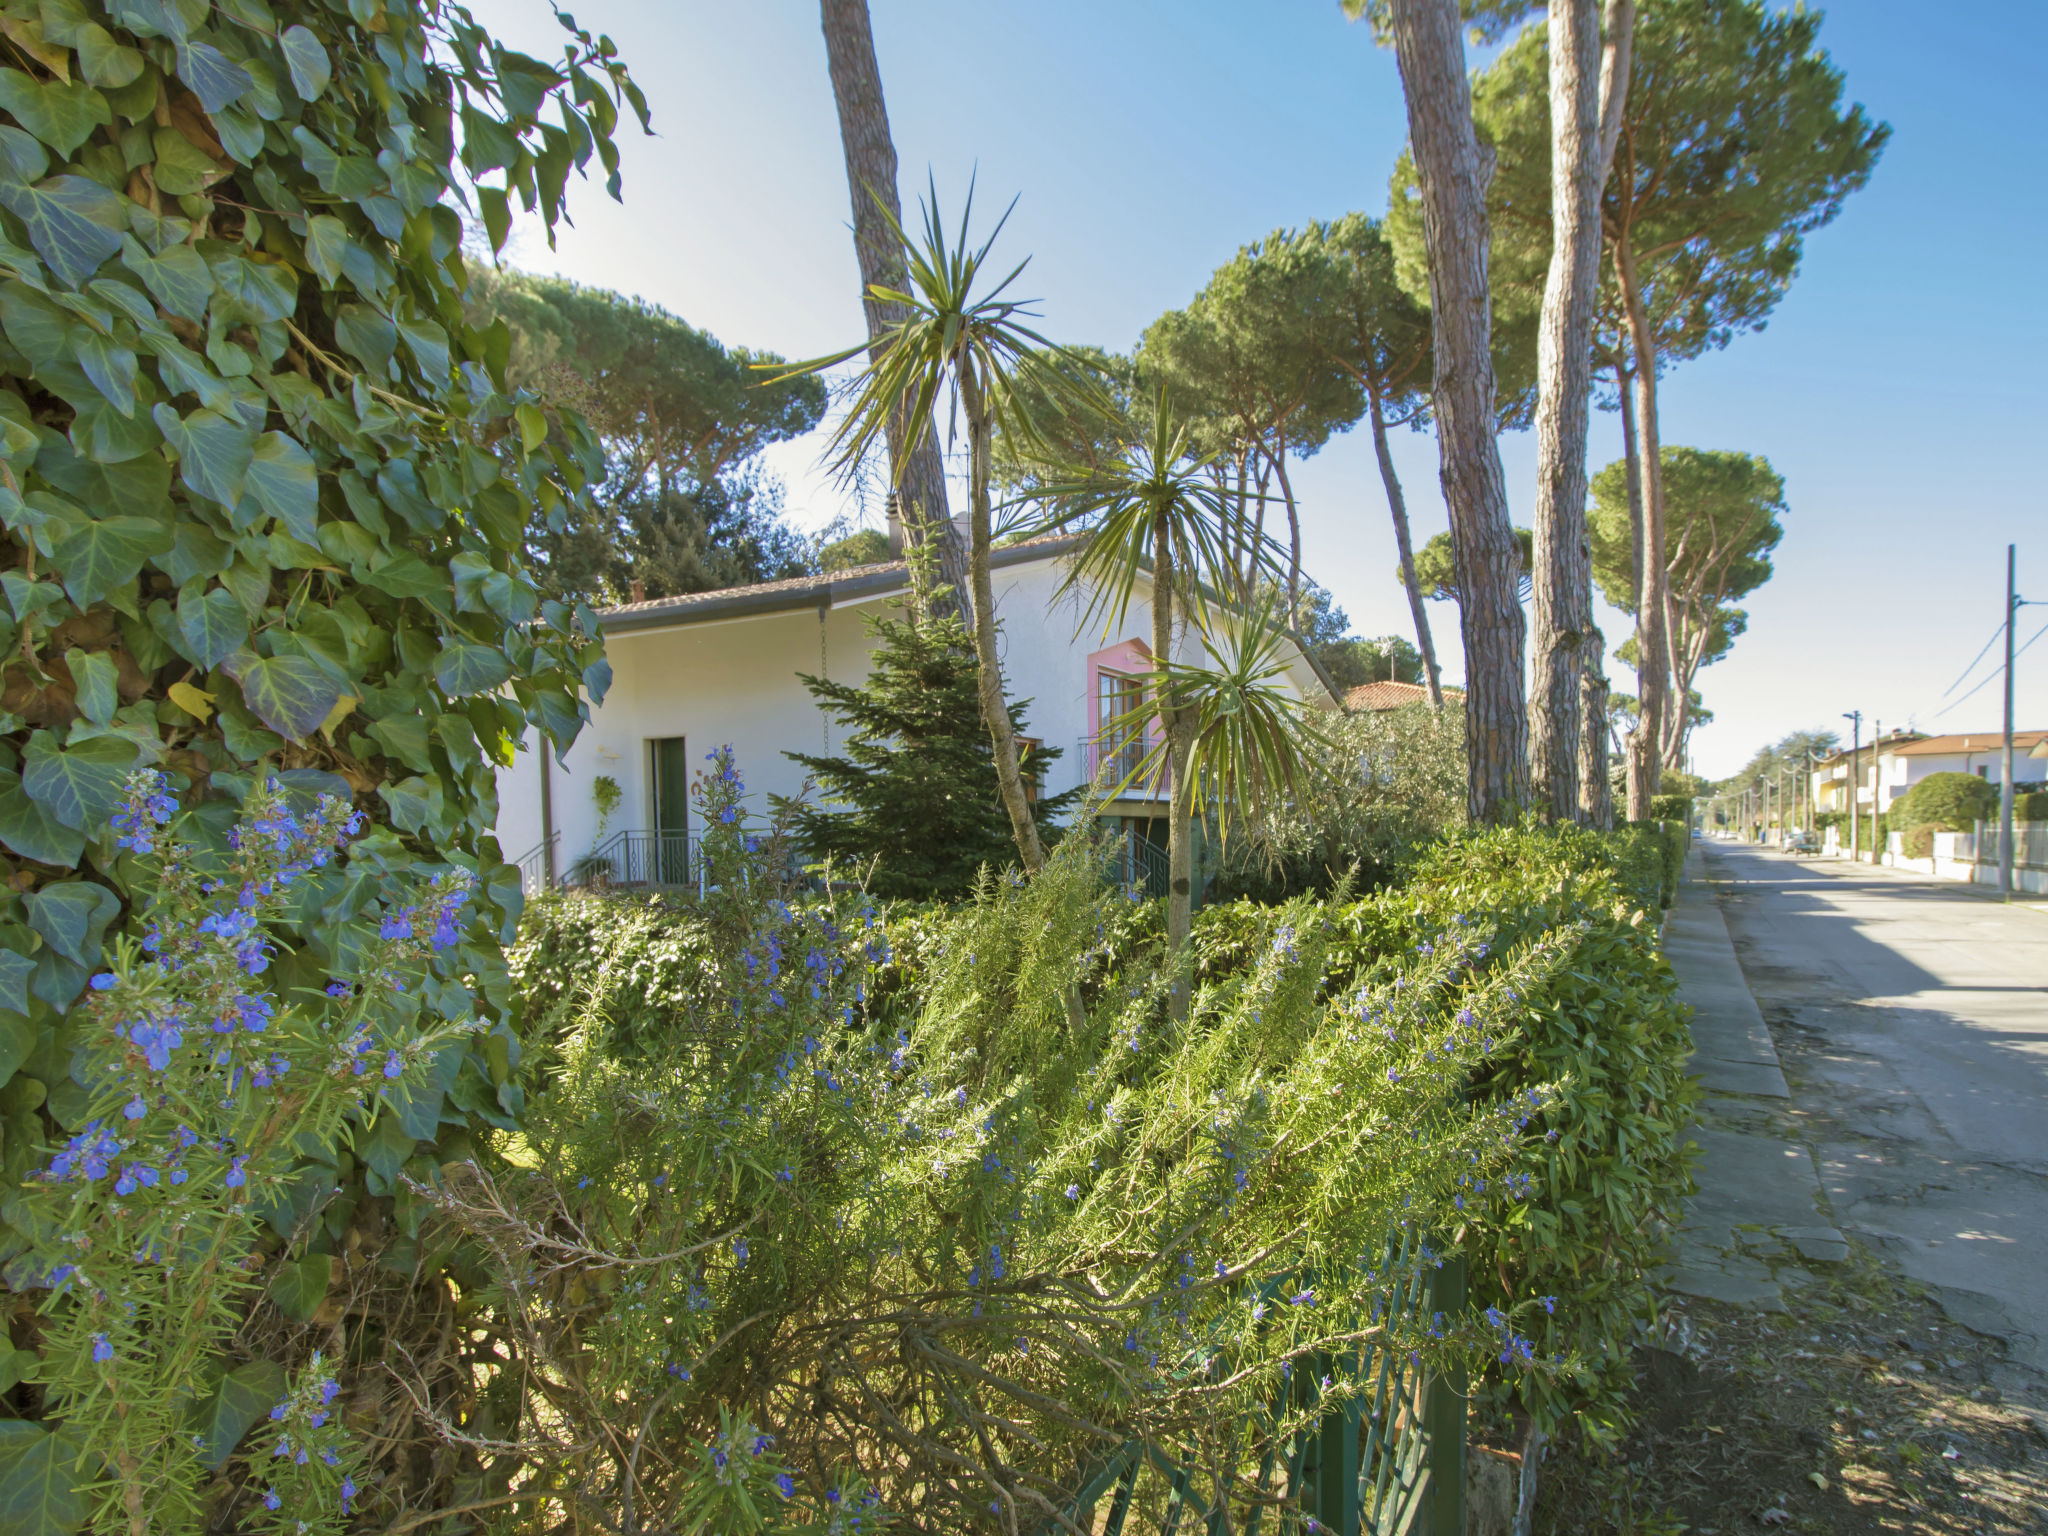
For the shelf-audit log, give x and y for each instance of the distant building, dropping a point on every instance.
(1884, 770)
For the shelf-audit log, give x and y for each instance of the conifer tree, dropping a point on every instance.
(916, 790)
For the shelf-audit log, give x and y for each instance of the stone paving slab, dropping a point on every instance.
(1759, 1210)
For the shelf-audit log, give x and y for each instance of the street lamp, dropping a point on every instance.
(1855, 719)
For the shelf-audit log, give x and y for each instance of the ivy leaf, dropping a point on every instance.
(289, 694)
(384, 1151)
(215, 79)
(465, 667)
(214, 627)
(79, 785)
(182, 167)
(282, 479)
(106, 63)
(29, 829)
(196, 702)
(308, 61)
(178, 279)
(327, 245)
(297, 1289)
(429, 345)
(111, 369)
(367, 334)
(94, 676)
(497, 214)
(62, 115)
(213, 451)
(73, 223)
(15, 971)
(104, 555)
(245, 1395)
(72, 916)
(37, 1494)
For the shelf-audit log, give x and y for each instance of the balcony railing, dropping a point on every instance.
(539, 866)
(636, 859)
(1110, 761)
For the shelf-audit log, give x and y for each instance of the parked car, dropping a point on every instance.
(1801, 841)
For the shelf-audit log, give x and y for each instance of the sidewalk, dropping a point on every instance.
(1759, 1214)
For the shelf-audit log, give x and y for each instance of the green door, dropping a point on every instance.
(669, 858)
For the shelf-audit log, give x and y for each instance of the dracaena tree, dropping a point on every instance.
(956, 337)
(265, 491)
(1153, 516)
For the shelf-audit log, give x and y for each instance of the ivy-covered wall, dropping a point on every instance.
(265, 494)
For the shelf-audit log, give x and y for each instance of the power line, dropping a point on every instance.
(1993, 675)
(1952, 687)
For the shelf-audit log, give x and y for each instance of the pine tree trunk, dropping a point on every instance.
(1397, 505)
(1452, 178)
(1653, 657)
(916, 473)
(1563, 584)
(995, 708)
(1596, 791)
(1293, 537)
(1617, 54)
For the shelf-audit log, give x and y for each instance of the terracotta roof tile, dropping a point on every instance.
(1371, 698)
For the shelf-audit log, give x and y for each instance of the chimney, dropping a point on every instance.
(638, 589)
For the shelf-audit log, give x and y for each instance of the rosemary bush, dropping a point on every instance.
(206, 1089)
(928, 1267)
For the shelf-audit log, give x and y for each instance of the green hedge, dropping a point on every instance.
(1609, 1027)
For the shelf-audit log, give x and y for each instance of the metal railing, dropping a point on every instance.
(1387, 1461)
(2029, 844)
(1139, 862)
(635, 859)
(1109, 760)
(539, 867)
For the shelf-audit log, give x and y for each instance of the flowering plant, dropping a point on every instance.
(957, 1255)
(207, 1089)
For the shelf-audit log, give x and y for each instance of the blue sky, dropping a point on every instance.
(1898, 388)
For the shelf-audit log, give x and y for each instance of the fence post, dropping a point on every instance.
(1444, 1418)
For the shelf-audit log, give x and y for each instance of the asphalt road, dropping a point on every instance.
(1912, 1020)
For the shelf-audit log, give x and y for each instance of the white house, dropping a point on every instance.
(1981, 753)
(690, 674)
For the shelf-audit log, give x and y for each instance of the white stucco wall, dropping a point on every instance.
(735, 681)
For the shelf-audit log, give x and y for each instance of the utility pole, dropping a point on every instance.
(1855, 719)
(2012, 605)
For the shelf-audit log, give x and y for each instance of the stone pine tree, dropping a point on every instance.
(1381, 338)
(914, 790)
(1451, 175)
(917, 476)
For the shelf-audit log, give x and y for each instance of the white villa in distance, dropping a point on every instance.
(693, 673)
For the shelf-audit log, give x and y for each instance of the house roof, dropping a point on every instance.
(1372, 698)
(822, 591)
(1976, 741)
(832, 588)
(1892, 741)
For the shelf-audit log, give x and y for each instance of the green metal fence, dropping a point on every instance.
(1385, 1461)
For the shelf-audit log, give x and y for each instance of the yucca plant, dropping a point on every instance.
(1155, 513)
(959, 339)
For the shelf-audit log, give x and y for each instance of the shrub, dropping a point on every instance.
(953, 1260)
(2030, 805)
(1952, 802)
(1379, 789)
(1607, 1026)
(1676, 808)
(204, 1094)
